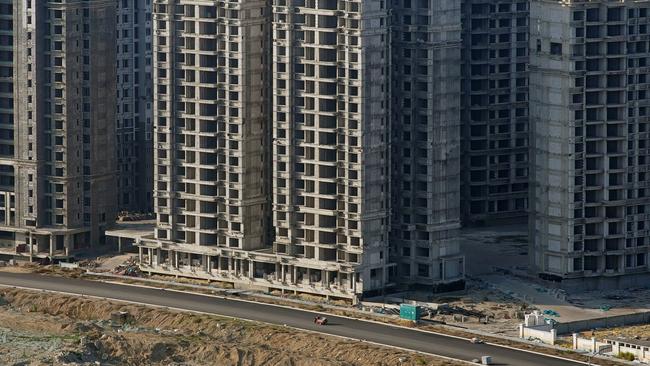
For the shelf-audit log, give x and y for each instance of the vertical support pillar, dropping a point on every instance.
(158, 257)
(150, 256)
(309, 276)
(31, 247)
(140, 255)
(326, 278)
(119, 245)
(176, 266)
(66, 244)
(574, 338)
(443, 275)
(219, 264)
(52, 244)
(251, 269)
(294, 278)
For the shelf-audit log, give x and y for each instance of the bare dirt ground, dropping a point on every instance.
(48, 329)
(640, 332)
(480, 303)
(477, 301)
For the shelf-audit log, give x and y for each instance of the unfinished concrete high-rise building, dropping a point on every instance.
(57, 125)
(425, 124)
(285, 111)
(134, 118)
(495, 111)
(331, 117)
(209, 107)
(589, 115)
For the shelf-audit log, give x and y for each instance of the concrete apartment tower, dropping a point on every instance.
(495, 112)
(589, 115)
(57, 125)
(284, 110)
(134, 110)
(331, 156)
(425, 129)
(209, 107)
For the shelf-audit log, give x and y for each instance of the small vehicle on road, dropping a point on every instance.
(320, 320)
(476, 340)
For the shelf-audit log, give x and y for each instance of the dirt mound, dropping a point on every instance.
(162, 337)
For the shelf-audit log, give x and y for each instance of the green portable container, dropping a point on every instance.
(409, 312)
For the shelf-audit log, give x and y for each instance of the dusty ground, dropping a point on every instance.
(46, 329)
(503, 312)
(641, 332)
(477, 307)
(477, 301)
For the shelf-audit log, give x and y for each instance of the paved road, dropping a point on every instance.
(374, 332)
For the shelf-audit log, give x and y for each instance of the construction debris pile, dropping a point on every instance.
(126, 216)
(128, 268)
(88, 264)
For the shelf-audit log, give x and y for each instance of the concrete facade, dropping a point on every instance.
(495, 111)
(57, 126)
(284, 110)
(588, 109)
(134, 109)
(425, 140)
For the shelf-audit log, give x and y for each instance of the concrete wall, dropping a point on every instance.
(642, 353)
(544, 333)
(605, 322)
(587, 345)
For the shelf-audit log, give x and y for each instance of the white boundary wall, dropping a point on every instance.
(544, 333)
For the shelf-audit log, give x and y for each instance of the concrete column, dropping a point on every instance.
(151, 256)
(219, 264)
(119, 244)
(52, 244)
(574, 338)
(251, 269)
(176, 266)
(521, 331)
(278, 271)
(326, 278)
(140, 255)
(553, 336)
(351, 281)
(294, 278)
(66, 244)
(444, 270)
(284, 273)
(31, 247)
(208, 265)
(309, 276)
(158, 257)
(231, 265)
